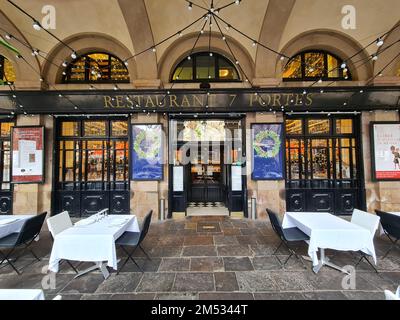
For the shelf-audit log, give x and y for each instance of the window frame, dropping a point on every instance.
(193, 60)
(325, 77)
(67, 78)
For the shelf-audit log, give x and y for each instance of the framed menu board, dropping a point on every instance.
(27, 158)
(385, 145)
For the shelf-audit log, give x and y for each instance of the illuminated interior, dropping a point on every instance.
(7, 71)
(97, 67)
(315, 65)
(203, 66)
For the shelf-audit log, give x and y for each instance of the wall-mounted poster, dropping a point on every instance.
(267, 151)
(27, 154)
(385, 144)
(147, 152)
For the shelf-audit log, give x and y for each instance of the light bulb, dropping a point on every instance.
(190, 6)
(343, 66)
(73, 55)
(374, 57)
(64, 64)
(379, 42)
(36, 25)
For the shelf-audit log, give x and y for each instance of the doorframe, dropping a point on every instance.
(357, 135)
(56, 123)
(198, 117)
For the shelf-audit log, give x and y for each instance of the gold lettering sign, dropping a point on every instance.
(198, 100)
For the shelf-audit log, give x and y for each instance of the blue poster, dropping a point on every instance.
(267, 149)
(147, 152)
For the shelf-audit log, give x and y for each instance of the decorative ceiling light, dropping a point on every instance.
(254, 43)
(14, 96)
(237, 2)
(282, 58)
(211, 54)
(320, 81)
(190, 6)
(223, 38)
(305, 92)
(35, 52)
(36, 25)
(126, 62)
(73, 55)
(228, 27)
(64, 73)
(8, 36)
(65, 64)
(361, 91)
(60, 95)
(322, 91)
(154, 49)
(374, 57)
(189, 58)
(379, 42)
(180, 34)
(380, 74)
(115, 87)
(343, 65)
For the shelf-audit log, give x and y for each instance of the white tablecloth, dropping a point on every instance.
(91, 243)
(12, 227)
(327, 231)
(21, 294)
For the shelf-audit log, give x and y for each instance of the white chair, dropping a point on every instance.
(367, 221)
(389, 295)
(58, 224)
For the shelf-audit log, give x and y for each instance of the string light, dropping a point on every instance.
(36, 25)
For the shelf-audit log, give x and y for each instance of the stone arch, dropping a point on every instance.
(138, 23)
(331, 41)
(182, 47)
(275, 20)
(391, 38)
(84, 43)
(25, 77)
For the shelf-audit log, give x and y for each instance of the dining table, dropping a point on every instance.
(92, 240)
(21, 294)
(327, 231)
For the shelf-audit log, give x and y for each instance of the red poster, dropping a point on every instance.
(27, 155)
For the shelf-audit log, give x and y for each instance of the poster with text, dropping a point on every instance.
(27, 155)
(147, 152)
(386, 151)
(267, 151)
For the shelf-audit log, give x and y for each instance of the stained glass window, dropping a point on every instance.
(96, 67)
(7, 71)
(315, 65)
(203, 66)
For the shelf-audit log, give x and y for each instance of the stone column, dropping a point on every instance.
(145, 195)
(36, 198)
(269, 194)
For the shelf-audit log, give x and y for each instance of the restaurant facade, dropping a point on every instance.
(200, 130)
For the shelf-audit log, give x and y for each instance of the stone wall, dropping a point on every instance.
(36, 198)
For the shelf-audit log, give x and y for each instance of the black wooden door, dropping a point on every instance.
(323, 165)
(92, 167)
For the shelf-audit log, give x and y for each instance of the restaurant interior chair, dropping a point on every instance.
(29, 231)
(286, 236)
(134, 239)
(58, 224)
(389, 295)
(371, 223)
(391, 227)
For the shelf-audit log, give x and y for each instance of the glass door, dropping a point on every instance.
(93, 167)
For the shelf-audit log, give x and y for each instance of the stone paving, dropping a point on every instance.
(211, 258)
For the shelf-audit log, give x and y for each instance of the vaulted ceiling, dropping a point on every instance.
(138, 24)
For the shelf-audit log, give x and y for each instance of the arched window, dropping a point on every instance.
(205, 66)
(7, 72)
(315, 65)
(96, 67)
